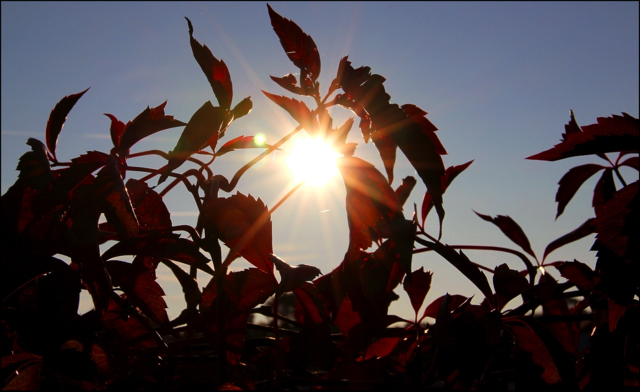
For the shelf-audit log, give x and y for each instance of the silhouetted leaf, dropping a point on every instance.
(298, 110)
(205, 123)
(584, 230)
(240, 142)
(34, 167)
(508, 283)
(571, 182)
(293, 276)
(571, 127)
(567, 333)
(241, 218)
(148, 122)
(299, 46)
(169, 246)
(371, 203)
(453, 303)
(117, 205)
(615, 225)
(367, 91)
(449, 175)
(57, 118)
(242, 108)
(578, 273)
(26, 379)
(215, 70)
(604, 191)
(246, 289)
(289, 83)
(150, 210)
(419, 116)
(464, 265)
(310, 304)
(528, 341)
(418, 287)
(511, 229)
(404, 190)
(192, 294)
(610, 134)
(387, 149)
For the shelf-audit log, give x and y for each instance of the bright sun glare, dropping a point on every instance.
(313, 161)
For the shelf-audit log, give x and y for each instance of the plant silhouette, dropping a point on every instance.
(331, 330)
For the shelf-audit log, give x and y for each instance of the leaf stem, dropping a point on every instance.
(285, 197)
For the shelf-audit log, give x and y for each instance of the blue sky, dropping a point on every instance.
(498, 80)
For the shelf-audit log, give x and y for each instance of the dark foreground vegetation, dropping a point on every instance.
(577, 328)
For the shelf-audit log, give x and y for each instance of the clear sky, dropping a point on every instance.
(498, 80)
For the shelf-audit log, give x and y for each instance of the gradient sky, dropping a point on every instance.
(498, 80)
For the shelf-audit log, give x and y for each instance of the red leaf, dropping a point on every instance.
(298, 110)
(631, 162)
(27, 378)
(11, 359)
(508, 283)
(367, 91)
(192, 294)
(610, 134)
(578, 273)
(419, 116)
(116, 130)
(418, 287)
(57, 118)
(168, 246)
(205, 122)
(571, 127)
(289, 83)
(387, 148)
(447, 178)
(371, 203)
(150, 210)
(241, 219)
(404, 190)
(454, 301)
(240, 142)
(584, 230)
(242, 108)
(464, 265)
(117, 205)
(511, 229)
(246, 289)
(615, 312)
(614, 230)
(528, 341)
(604, 191)
(215, 70)
(34, 167)
(381, 348)
(150, 121)
(292, 277)
(571, 182)
(347, 318)
(298, 46)
(128, 330)
(308, 299)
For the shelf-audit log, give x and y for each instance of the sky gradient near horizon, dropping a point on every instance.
(497, 79)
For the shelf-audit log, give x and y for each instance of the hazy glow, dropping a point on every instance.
(259, 139)
(313, 161)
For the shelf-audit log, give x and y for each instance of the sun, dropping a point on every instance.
(313, 161)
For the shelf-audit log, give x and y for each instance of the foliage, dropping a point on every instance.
(575, 334)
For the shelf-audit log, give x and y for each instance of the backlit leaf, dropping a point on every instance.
(631, 162)
(215, 70)
(148, 122)
(453, 303)
(610, 134)
(571, 182)
(57, 118)
(242, 108)
(511, 229)
(34, 167)
(604, 191)
(299, 46)
(169, 246)
(404, 190)
(615, 225)
(205, 123)
(241, 218)
(528, 341)
(289, 83)
(578, 273)
(584, 230)
(508, 283)
(371, 203)
(449, 175)
(418, 287)
(240, 142)
(148, 205)
(298, 110)
(192, 294)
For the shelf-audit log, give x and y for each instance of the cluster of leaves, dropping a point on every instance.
(340, 333)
